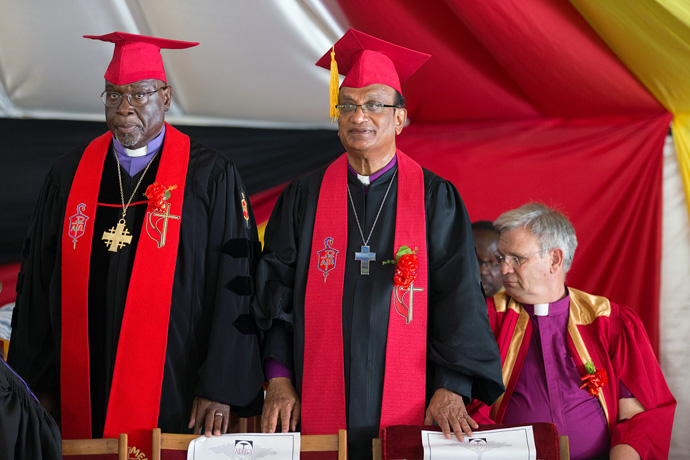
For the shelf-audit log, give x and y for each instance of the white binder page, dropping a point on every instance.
(237, 446)
(505, 444)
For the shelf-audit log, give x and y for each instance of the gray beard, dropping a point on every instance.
(128, 140)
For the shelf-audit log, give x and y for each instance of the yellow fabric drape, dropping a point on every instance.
(652, 38)
(261, 229)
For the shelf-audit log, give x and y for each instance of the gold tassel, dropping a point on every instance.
(335, 83)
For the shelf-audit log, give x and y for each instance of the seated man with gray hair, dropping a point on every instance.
(571, 358)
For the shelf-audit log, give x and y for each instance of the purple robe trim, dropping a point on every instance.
(274, 368)
(377, 174)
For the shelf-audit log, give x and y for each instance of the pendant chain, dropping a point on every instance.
(366, 242)
(122, 193)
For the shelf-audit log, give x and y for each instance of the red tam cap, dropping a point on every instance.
(137, 57)
(367, 60)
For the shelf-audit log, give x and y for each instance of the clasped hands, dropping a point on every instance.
(282, 408)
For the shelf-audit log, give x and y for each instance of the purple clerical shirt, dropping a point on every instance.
(135, 164)
(548, 388)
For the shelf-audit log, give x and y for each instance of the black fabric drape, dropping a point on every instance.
(264, 157)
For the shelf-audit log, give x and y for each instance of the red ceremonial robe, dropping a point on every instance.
(614, 339)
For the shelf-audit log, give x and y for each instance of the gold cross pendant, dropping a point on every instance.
(117, 237)
(164, 216)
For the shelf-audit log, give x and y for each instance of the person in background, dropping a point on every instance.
(485, 241)
(574, 359)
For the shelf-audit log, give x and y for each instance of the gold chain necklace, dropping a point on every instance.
(118, 236)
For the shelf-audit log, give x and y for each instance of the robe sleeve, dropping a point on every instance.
(648, 432)
(27, 430)
(273, 305)
(460, 342)
(231, 372)
(35, 341)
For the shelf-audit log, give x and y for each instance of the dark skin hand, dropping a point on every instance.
(448, 410)
(281, 406)
(205, 419)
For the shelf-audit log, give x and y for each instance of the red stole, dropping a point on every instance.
(138, 376)
(323, 385)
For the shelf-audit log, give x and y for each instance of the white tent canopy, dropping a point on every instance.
(254, 65)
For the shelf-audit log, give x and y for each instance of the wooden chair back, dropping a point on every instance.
(325, 443)
(169, 441)
(96, 446)
(376, 449)
(173, 441)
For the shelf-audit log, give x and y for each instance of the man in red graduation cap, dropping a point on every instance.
(132, 294)
(352, 341)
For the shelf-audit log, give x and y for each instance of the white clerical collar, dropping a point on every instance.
(364, 179)
(541, 309)
(140, 152)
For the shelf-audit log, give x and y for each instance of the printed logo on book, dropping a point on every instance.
(479, 444)
(244, 447)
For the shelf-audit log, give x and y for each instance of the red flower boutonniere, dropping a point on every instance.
(157, 195)
(595, 379)
(406, 263)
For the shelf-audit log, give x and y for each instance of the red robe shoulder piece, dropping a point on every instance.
(614, 339)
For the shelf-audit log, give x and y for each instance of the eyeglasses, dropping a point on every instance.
(370, 108)
(138, 99)
(514, 261)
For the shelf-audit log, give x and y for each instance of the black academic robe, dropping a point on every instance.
(212, 349)
(461, 350)
(27, 431)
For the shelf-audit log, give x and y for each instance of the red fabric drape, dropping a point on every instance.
(604, 174)
(262, 203)
(8, 278)
(512, 59)
(520, 101)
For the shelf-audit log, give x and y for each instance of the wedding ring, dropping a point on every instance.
(218, 414)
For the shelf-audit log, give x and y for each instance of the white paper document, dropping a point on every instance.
(243, 446)
(505, 444)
